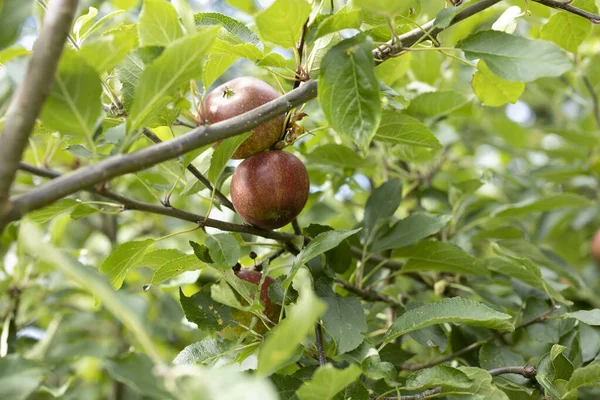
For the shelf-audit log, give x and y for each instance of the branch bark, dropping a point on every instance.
(204, 180)
(124, 164)
(33, 91)
(564, 5)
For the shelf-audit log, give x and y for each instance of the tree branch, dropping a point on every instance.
(131, 204)
(33, 91)
(320, 346)
(527, 371)
(391, 47)
(202, 135)
(366, 294)
(433, 363)
(220, 196)
(594, 96)
(564, 5)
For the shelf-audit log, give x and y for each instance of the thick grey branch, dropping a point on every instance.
(145, 158)
(31, 94)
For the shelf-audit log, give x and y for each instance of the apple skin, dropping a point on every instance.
(249, 275)
(237, 97)
(272, 310)
(270, 189)
(596, 247)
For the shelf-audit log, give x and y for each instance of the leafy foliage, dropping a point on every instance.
(444, 250)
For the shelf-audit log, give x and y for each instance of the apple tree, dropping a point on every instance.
(294, 199)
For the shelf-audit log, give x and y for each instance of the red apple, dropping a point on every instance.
(249, 275)
(237, 97)
(596, 247)
(270, 189)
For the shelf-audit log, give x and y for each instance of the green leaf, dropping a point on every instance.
(12, 15)
(158, 24)
(122, 259)
(176, 267)
(336, 155)
(234, 38)
(523, 269)
(224, 250)
(184, 10)
(483, 386)
(546, 203)
(445, 17)
(135, 370)
(203, 311)
(381, 205)
(273, 60)
(338, 258)
(569, 30)
(497, 356)
(410, 230)
(591, 317)
(179, 63)
(106, 52)
(440, 375)
(394, 69)
(222, 155)
(585, 376)
(204, 352)
(319, 50)
(282, 22)
(319, 245)
(388, 8)
(74, 105)
(45, 214)
(516, 58)
(284, 339)
(156, 258)
(343, 19)
(344, 319)
(435, 104)
(19, 377)
(88, 30)
(400, 128)
(89, 280)
(492, 90)
(83, 210)
(214, 66)
(455, 310)
(349, 91)
(201, 252)
(327, 381)
(439, 256)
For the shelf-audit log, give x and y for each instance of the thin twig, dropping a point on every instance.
(528, 371)
(300, 49)
(31, 94)
(432, 363)
(594, 96)
(220, 196)
(320, 347)
(269, 259)
(540, 318)
(564, 5)
(367, 294)
(131, 204)
(296, 226)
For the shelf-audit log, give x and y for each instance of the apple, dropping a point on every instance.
(596, 247)
(237, 97)
(272, 310)
(270, 189)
